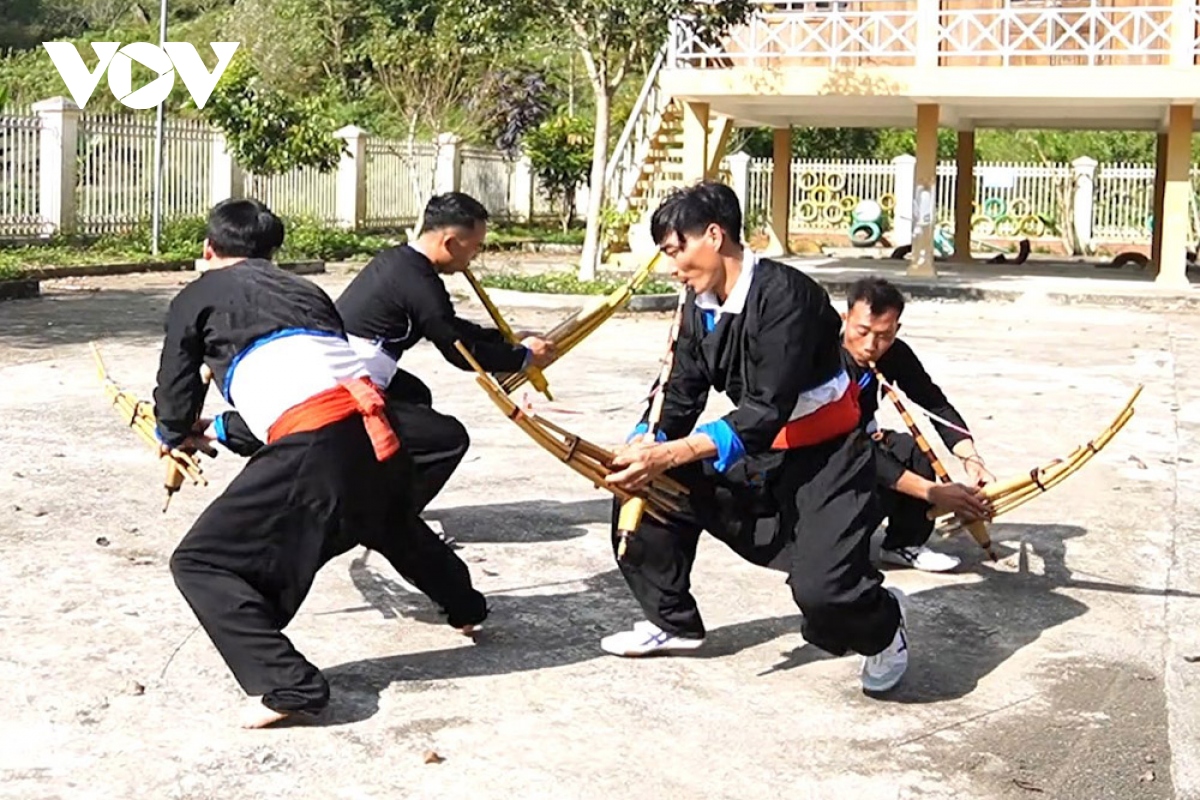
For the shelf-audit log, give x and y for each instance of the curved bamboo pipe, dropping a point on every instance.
(978, 529)
(535, 374)
(630, 516)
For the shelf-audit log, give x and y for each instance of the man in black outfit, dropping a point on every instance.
(786, 478)
(398, 300)
(325, 470)
(907, 484)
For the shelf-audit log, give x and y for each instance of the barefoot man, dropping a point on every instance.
(331, 474)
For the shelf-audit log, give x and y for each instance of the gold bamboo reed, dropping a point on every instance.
(978, 529)
(534, 374)
(586, 458)
(581, 324)
(630, 516)
(139, 416)
(1015, 492)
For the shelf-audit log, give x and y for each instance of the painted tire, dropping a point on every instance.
(809, 180)
(1019, 207)
(865, 234)
(887, 201)
(808, 211)
(983, 226)
(836, 181)
(1007, 226)
(995, 208)
(1033, 226)
(848, 202)
(833, 212)
(820, 195)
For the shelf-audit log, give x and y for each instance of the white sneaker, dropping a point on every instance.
(921, 558)
(646, 638)
(882, 671)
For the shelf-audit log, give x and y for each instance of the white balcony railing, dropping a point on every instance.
(1085, 36)
(849, 33)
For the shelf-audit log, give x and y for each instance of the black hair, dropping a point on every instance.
(690, 210)
(879, 294)
(244, 228)
(452, 210)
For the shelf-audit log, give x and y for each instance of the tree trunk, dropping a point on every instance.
(568, 210)
(591, 240)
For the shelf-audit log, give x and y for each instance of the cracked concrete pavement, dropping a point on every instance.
(1063, 670)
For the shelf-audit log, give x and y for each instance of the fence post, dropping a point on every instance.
(739, 180)
(523, 187)
(1083, 175)
(447, 175)
(228, 180)
(350, 204)
(904, 187)
(58, 149)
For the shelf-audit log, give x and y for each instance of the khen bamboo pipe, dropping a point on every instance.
(977, 528)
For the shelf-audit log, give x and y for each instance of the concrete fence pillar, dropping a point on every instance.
(58, 150)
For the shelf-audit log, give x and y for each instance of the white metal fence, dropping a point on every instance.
(65, 170)
(19, 173)
(1011, 200)
(110, 165)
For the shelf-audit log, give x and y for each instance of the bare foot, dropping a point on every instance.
(256, 715)
(470, 630)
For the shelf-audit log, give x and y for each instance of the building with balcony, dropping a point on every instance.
(930, 64)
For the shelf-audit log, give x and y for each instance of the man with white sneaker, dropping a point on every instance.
(786, 479)
(907, 485)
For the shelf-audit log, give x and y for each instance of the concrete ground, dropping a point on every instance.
(1065, 670)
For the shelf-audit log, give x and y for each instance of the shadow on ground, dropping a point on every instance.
(64, 318)
(963, 632)
(526, 522)
(525, 632)
(960, 633)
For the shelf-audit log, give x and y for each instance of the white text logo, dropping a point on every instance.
(165, 61)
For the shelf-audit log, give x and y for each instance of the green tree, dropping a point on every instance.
(560, 150)
(615, 37)
(267, 131)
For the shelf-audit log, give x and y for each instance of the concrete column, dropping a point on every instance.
(447, 175)
(695, 142)
(350, 197)
(228, 180)
(781, 193)
(924, 212)
(57, 154)
(964, 197)
(1160, 187)
(718, 141)
(903, 189)
(1175, 224)
(1083, 179)
(739, 180)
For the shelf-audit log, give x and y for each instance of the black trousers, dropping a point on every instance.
(907, 523)
(813, 519)
(248, 562)
(437, 442)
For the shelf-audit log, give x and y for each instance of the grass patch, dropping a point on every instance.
(182, 240)
(306, 240)
(509, 234)
(569, 283)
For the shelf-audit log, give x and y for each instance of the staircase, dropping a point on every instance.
(646, 165)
